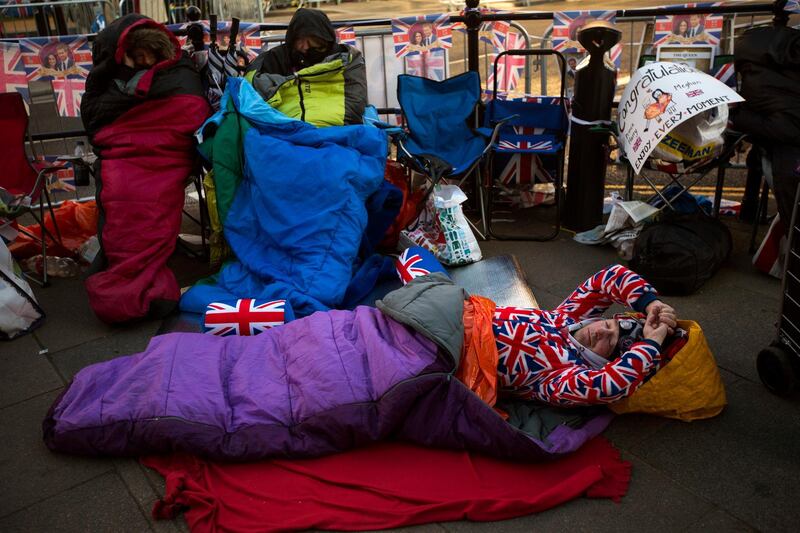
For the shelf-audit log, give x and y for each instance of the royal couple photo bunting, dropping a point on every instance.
(64, 61)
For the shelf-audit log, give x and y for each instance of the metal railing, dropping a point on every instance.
(57, 17)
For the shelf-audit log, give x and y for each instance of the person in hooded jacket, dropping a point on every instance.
(143, 102)
(333, 76)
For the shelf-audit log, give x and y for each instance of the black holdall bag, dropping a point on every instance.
(679, 252)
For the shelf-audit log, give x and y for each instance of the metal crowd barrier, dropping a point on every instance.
(54, 17)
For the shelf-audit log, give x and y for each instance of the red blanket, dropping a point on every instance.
(384, 486)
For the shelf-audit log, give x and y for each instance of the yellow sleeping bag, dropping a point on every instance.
(688, 388)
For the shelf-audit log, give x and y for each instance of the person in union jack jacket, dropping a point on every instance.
(572, 356)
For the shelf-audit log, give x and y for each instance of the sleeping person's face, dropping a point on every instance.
(600, 337)
(142, 58)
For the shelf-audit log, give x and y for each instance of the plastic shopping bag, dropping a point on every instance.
(462, 246)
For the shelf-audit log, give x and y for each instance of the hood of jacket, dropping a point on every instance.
(308, 22)
(432, 305)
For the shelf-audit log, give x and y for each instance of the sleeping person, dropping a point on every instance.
(143, 102)
(424, 366)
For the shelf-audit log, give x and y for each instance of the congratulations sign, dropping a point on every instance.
(658, 98)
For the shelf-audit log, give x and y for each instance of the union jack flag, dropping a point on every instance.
(565, 31)
(249, 36)
(727, 75)
(615, 284)
(246, 317)
(495, 33)
(403, 30)
(346, 35)
(516, 145)
(509, 68)
(15, 12)
(61, 180)
(12, 70)
(409, 266)
(428, 64)
(492, 32)
(524, 168)
(667, 28)
(526, 314)
(36, 51)
(69, 93)
(416, 262)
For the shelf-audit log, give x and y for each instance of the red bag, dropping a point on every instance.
(412, 203)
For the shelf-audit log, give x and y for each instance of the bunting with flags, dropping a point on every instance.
(510, 68)
(346, 35)
(7, 11)
(428, 64)
(248, 38)
(422, 33)
(68, 96)
(694, 29)
(566, 25)
(50, 58)
(12, 70)
(726, 74)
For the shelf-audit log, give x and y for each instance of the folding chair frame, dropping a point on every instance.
(701, 168)
(488, 183)
(426, 164)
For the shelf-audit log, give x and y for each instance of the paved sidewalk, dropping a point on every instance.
(737, 472)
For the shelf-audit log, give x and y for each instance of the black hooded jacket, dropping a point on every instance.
(103, 102)
(768, 61)
(282, 59)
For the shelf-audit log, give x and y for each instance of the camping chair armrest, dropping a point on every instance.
(498, 125)
(370, 118)
(430, 165)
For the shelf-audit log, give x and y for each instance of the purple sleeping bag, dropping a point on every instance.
(325, 383)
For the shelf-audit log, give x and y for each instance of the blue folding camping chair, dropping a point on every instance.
(532, 127)
(439, 141)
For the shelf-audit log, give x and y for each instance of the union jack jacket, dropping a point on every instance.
(538, 361)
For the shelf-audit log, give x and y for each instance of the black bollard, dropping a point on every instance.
(595, 81)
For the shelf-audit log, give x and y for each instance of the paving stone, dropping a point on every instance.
(70, 321)
(719, 520)
(651, 504)
(68, 362)
(146, 494)
(745, 460)
(24, 371)
(98, 505)
(28, 470)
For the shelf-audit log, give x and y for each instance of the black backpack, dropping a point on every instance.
(680, 252)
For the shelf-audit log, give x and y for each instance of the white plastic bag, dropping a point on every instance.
(699, 137)
(19, 311)
(462, 246)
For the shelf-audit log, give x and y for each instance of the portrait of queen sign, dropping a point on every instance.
(659, 97)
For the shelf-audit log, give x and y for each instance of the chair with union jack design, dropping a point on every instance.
(533, 128)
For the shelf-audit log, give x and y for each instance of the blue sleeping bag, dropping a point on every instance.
(298, 215)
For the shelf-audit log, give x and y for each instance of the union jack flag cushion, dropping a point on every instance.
(415, 262)
(245, 317)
